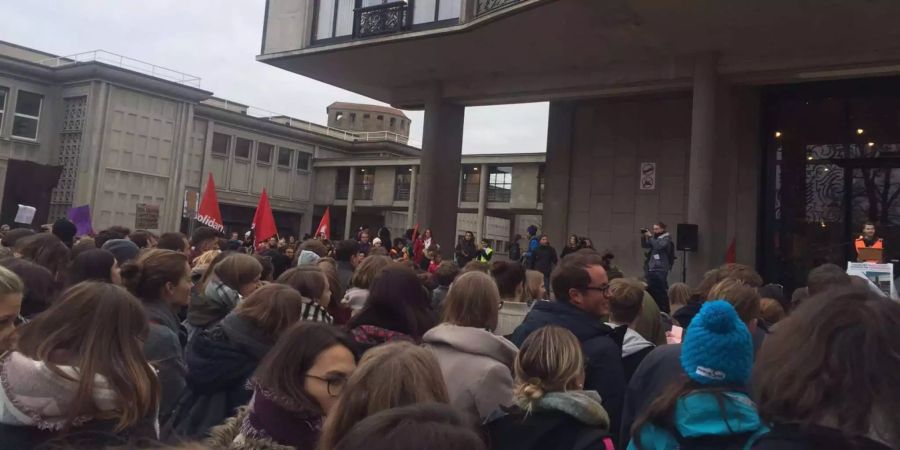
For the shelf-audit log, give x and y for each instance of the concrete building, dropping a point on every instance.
(136, 139)
(721, 114)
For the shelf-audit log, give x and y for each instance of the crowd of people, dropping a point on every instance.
(127, 339)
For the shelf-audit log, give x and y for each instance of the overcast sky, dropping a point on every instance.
(218, 40)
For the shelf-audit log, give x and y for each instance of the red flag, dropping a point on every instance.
(325, 225)
(263, 221)
(731, 254)
(208, 214)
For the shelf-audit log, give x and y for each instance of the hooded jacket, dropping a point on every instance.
(164, 349)
(601, 345)
(477, 366)
(634, 349)
(698, 415)
(571, 420)
(543, 258)
(216, 302)
(219, 363)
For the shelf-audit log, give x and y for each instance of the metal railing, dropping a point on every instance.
(486, 6)
(124, 62)
(380, 19)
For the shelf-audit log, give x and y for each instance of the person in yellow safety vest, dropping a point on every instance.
(485, 252)
(868, 240)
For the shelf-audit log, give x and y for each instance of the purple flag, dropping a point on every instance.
(81, 217)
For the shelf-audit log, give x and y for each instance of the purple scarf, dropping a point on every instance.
(281, 420)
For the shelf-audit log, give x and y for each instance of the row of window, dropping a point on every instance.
(243, 149)
(339, 117)
(26, 115)
(499, 183)
(334, 18)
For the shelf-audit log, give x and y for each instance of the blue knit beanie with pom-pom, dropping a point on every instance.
(717, 348)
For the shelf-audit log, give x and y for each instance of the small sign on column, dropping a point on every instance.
(648, 176)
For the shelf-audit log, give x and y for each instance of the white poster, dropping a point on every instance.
(648, 176)
(25, 214)
(881, 276)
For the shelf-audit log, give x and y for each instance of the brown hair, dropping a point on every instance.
(550, 360)
(398, 302)
(388, 376)
(101, 326)
(771, 311)
(273, 308)
(47, 250)
(314, 245)
(446, 272)
(434, 426)
(843, 341)
(744, 298)
(477, 266)
(679, 294)
(473, 301)
(237, 270)
(741, 272)
(572, 273)
(307, 279)
(210, 269)
(146, 275)
(534, 281)
(509, 277)
(626, 296)
(370, 267)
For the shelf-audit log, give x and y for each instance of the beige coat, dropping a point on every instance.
(477, 367)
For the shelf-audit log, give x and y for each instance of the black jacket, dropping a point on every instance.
(543, 430)
(601, 345)
(465, 252)
(220, 360)
(792, 437)
(543, 258)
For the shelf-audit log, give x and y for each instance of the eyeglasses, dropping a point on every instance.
(335, 385)
(603, 288)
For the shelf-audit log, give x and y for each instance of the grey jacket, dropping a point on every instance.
(477, 367)
(164, 349)
(661, 254)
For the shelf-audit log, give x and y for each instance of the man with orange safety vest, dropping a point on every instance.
(868, 240)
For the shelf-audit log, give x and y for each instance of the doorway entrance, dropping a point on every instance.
(832, 164)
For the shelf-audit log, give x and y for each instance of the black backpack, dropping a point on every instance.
(712, 442)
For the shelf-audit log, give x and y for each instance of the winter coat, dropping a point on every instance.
(649, 323)
(634, 349)
(35, 404)
(355, 298)
(216, 302)
(571, 420)
(793, 437)
(511, 315)
(543, 259)
(465, 252)
(266, 425)
(345, 273)
(601, 345)
(661, 252)
(567, 251)
(164, 349)
(698, 415)
(477, 367)
(515, 252)
(368, 336)
(219, 363)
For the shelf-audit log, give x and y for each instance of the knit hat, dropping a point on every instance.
(65, 231)
(376, 241)
(307, 257)
(123, 249)
(717, 348)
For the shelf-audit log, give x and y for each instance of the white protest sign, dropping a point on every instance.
(25, 214)
(881, 276)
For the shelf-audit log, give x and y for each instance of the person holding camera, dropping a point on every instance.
(660, 258)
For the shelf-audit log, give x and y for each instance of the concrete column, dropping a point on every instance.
(350, 195)
(701, 204)
(482, 201)
(411, 211)
(558, 171)
(436, 198)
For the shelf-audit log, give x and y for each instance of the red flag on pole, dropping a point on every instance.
(325, 225)
(263, 221)
(208, 214)
(731, 254)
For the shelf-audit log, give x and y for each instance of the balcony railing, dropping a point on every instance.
(499, 195)
(363, 191)
(124, 62)
(486, 6)
(381, 19)
(469, 193)
(401, 192)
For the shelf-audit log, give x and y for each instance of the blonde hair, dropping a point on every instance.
(744, 298)
(206, 258)
(771, 311)
(550, 360)
(473, 301)
(10, 283)
(534, 280)
(388, 376)
(679, 294)
(626, 297)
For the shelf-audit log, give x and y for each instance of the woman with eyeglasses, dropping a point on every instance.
(476, 363)
(294, 388)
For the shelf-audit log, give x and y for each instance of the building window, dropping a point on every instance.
(27, 115)
(471, 181)
(365, 184)
(366, 116)
(284, 157)
(499, 183)
(428, 11)
(541, 180)
(352, 117)
(339, 116)
(342, 183)
(264, 153)
(242, 148)
(220, 144)
(402, 183)
(3, 93)
(393, 123)
(302, 161)
(334, 18)
(380, 117)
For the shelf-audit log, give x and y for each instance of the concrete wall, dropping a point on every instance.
(288, 25)
(524, 194)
